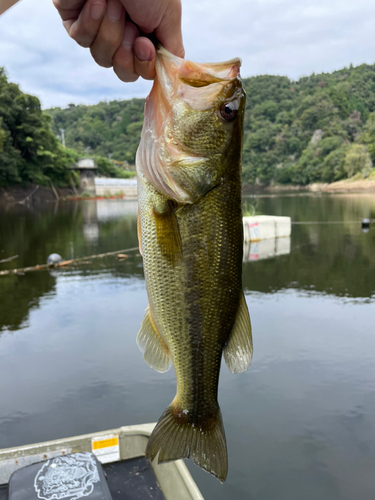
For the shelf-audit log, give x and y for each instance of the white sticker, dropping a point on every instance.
(106, 448)
(72, 476)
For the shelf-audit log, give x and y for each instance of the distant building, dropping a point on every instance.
(87, 169)
(105, 186)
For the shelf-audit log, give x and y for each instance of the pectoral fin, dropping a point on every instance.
(167, 231)
(239, 350)
(149, 341)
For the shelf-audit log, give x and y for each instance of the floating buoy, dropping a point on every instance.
(365, 223)
(54, 258)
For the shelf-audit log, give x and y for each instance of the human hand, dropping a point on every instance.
(117, 41)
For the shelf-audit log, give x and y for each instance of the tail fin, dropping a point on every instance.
(175, 437)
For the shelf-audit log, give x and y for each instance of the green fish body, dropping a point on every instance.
(191, 238)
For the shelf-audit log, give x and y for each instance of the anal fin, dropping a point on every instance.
(239, 350)
(149, 341)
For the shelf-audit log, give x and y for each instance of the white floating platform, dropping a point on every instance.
(266, 227)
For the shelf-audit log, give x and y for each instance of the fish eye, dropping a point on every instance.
(228, 111)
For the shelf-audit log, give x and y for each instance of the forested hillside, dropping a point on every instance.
(107, 129)
(319, 128)
(29, 149)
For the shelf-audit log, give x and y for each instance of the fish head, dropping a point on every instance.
(193, 125)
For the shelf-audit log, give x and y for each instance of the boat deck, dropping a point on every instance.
(3, 491)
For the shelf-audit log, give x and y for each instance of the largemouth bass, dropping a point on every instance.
(191, 237)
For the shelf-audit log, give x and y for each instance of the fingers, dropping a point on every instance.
(135, 57)
(82, 25)
(68, 9)
(169, 30)
(62, 5)
(100, 25)
(110, 34)
(123, 60)
(144, 58)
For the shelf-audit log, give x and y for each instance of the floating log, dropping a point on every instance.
(40, 267)
(8, 259)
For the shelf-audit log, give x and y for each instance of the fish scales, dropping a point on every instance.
(191, 235)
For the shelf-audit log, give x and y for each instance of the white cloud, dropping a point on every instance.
(287, 37)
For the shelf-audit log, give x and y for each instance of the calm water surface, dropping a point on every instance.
(300, 423)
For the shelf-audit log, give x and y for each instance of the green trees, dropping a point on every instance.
(29, 151)
(282, 116)
(320, 128)
(105, 129)
(280, 121)
(357, 160)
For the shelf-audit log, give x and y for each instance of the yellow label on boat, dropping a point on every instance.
(104, 443)
(106, 448)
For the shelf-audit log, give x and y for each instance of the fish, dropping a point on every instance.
(191, 238)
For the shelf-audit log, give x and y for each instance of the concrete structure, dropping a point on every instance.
(87, 170)
(111, 187)
(265, 227)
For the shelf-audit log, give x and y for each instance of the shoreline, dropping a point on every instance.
(29, 194)
(343, 186)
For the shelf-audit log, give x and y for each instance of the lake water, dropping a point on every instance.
(300, 423)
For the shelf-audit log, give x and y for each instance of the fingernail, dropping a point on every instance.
(97, 10)
(144, 54)
(114, 10)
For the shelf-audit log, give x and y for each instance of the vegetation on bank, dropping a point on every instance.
(105, 129)
(29, 148)
(320, 128)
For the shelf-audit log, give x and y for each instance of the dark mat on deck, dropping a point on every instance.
(3, 491)
(132, 480)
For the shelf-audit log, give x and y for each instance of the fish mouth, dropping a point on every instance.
(197, 84)
(199, 74)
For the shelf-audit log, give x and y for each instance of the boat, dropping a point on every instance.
(103, 465)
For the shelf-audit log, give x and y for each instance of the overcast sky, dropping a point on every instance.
(283, 37)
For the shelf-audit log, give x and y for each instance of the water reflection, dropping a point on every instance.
(71, 229)
(115, 209)
(299, 423)
(266, 249)
(337, 259)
